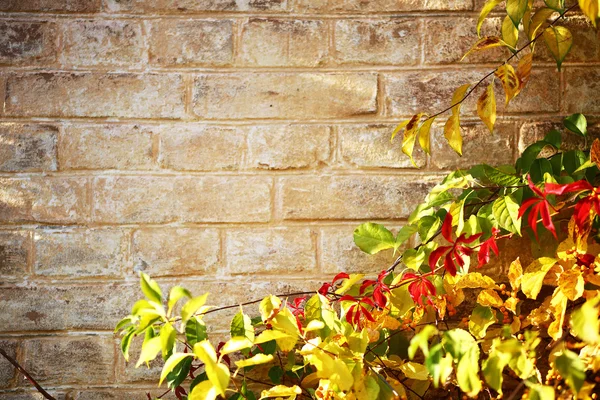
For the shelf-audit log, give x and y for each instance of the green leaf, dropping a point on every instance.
(150, 288)
(191, 307)
(556, 5)
(241, 325)
(421, 341)
(439, 367)
(516, 10)
(571, 368)
(428, 226)
(457, 342)
(467, 372)
(167, 336)
(585, 323)
(179, 373)
(413, 370)
(539, 168)
(540, 392)
(481, 319)
(485, 10)
(150, 349)
(176, 293)
(171, 363)
(195, 331)
(492, 369)
(559, 41)
(576, 123)
(554, 138)
(506, 211)
(126, 343)
(275, 374)
(372, 238)
(404, 234)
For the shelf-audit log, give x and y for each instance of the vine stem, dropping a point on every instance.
(22, 370)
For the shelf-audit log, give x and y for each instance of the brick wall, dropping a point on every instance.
(231, 146)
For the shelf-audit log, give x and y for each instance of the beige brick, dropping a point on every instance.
(177, 251)
(43, 199)
(387, 41)
(123, 147)
(7, 371)
(272, 251)
(581, 91)
(120, 394)
(351, 197)
(15, 249)
(50, 5)
(476, 136)
(184, 199)
(31, 308)
(186, 6)
(95, 95)
(282, 42)
(191, 42)
(340, 254)
(32, 43)
(27, 147)
(288, 146)
(542, 93)
(29, 395)
(380, 5)
(196, 147)
(128, 373)
(80, 253)
(285, 95)
(85, 359)
(368, 146)
(111, 43)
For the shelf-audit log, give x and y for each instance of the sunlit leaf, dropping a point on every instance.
(487, 42)
(373, 238)
(255, 360)
(486, 107)
(585, 323)
(489, 297)
(421, 341)
(241, 325)
(218, 374)
(492, 369)
(559, 41)
(481, 319)
(506, 212)
(204, 390)
(398, 128)
(268, 335)
(510, 34)
(533, 278)
(452, 133)
(413, 370)
(485, 10)
(515, 272)
(195, 331)
(510, 81)
(538, 20)
(571, 283)
(540, 392)
(410, 135)
(467, 372)
(576, 123)
(176, 293)
(150, 349)
(171, 363)
(524, 70)
(571, 368)
(516, 10)
(269, 307)
(235, 344)
(555, 4)
(150, 288)
(191, 307)
(424, 138)
(591, 9)
(281, 391)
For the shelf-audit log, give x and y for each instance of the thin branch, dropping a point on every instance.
(26, 374)
(257, 301)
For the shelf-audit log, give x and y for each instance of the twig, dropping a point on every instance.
(257, 301)
(26, 374)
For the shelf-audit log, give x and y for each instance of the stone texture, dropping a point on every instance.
(27, 147)
(285, 95)
(65, 307)
(286, 251)
(288, 146)
(123, 147)
(187, 6)
(351, 197)
(85, 359)
(15, 249)
(176, 251)
(28, 395)
(388, 41)
(119, 394)
(7, 371)
(380, 5)
(80, 253)
(24, 42)
(283, 42)
(126, 371)
(183, 199)
(95, 95)
(51, 5)
(191, 43)
(368, 146)
(112, 43)
(499, 147)
(581, 90)
(44, 199)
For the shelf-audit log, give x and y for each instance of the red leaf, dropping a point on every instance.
(420, 287)
(546, 218)
(379, 298)
(558, 189)
(526, 204)
(483, 257)
(367, 314)
(325, 288)
(533, 187)
(340, 276)
(366, 284)
(449, 264)
(349, 313)
(447, 227)
(436, 255)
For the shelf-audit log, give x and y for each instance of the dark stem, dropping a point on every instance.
(258, 301)
(26, 374)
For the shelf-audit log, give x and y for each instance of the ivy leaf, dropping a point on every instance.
(236, 343)
(492, 369)
(510, 34)
(506, 211)
(424, 137)
(485, 43)
(150, 349)
(268, 335)
(404, 234)
(457, 342)
(217, 373)
(591, 9)
(410, 135)
(176, 293)
(281, 391)
(576, 123)
(204, 391)
(481, 319)
(191, 307)
(269, 307)
(559, 41)
(510, 81)
(485, 10)
(486, 107)
(571, 368)
(373, 238)
(421, 341)
(516, 10)
(167, 336)
(585, 323)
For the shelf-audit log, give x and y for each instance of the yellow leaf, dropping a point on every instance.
(511, 304)
(400, 126)
(286, 322)
(571, 283)
(486, 107)
(559, 41)
(150, 350)
(515, 326)
(489, 297)
(475, 280)
(533, 278)
(510, 34)
(410, 135)
(452, 133)
(255, 360)
(509, 80)
(424, 140)
(269, 307)
(558, 306)
(171, 363)
(217, 373)
(538, 20)
(487, 42)
(524, 70)
(591, 8)
(204, 391)
(515, 271)
(458, 97)
(268, 335)
(236, 343)
(515, 10)
(485, 10)
(413, 370)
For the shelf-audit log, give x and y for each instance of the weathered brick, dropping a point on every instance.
(186, 6)
(351, 197)
(288, 146)
(191, 42)
(542, 93)
(29, 395)
(387, 41)
(43, 199)
(14, 253)
(7, 371)
(31, 308)
(119, 394)
(198, 147)
(27, 147)
(380, 5)
(51, 5)
(271, 251)
(86, 359)
(80, 253)
(126, 372)
(176, 251)
(31, 43)
(95, 95)
(368, 146)
(581, 91)
(114, 43)
(184, 199)
(122, 147)
(283, 42)
(340, 254)
(476, 136)
(285, 95)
